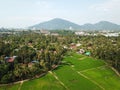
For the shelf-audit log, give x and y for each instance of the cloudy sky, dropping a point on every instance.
(24, 13)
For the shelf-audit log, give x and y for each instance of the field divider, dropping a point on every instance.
(118, 74)
(87, 77)
(92, 68)
(20, 85)
(59, 80)
(82, 58)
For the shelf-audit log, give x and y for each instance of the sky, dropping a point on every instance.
(24, 13)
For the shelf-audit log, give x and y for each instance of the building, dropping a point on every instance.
(82, 33)
(111, 34)
(45, 32)
(10, 59)
(79, 33)
(81, 51)
(54, 34)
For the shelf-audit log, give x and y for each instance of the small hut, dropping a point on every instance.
(88, 53)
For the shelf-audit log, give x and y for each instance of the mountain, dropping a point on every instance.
(102, 25)
(105, 25)
(58, 23)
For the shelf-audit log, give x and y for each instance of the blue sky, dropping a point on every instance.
(24, 13)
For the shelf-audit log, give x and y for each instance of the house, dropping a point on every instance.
(72, 46)
(82, 33)
(34, 61)
(65, 47)
(54, 66)
(88, 53)
(30, 65)
(111, 34)
(16, 49)
(45, 32)
(54, 34)
(79, 33)
(10, 59)
(78, 44)
(81, 51)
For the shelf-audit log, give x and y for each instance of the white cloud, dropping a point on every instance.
(43, 4)
(108, 10)
(109, 5)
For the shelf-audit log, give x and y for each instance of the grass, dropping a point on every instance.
(47, 82)
(83, 63)
(96, 70)
(73, 80)
(10, 87)
(105, 77)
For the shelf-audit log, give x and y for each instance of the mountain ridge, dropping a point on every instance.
(57, 23)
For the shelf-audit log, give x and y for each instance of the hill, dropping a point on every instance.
(59, 24)
(56, 23)
(102, 25)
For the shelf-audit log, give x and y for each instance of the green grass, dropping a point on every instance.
(47, 82)
(96, 70)
(105, 77)
(10, 87)
(83, 63)
(73, 80)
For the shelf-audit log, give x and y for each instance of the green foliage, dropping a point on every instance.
(34, 54)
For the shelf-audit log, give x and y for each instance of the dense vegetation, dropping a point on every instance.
(105, 48)
(34, 54)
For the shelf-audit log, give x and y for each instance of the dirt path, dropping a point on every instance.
(20, 85)
(115, 71)
(82, 58)
(92, 68)
(59, 80)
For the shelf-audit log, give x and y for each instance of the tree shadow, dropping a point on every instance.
(67, 63)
